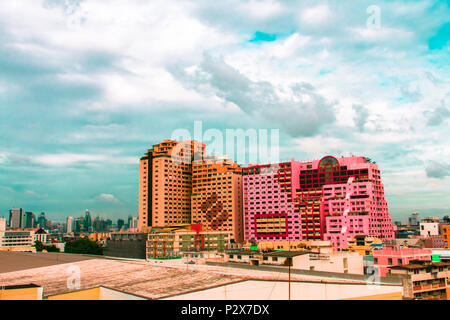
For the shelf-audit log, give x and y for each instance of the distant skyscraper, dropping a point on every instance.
(29, 220)
(69, 226)
(134, 223)
(414, 220)
(16, 218)
(87, 221)
(79, 225)
(120, 223)
(42, 221)
(108, 224)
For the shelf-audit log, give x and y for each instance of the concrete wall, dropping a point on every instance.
(279, 290)
(22, 294)
(99, 293)
(429, 229)
(335, 263)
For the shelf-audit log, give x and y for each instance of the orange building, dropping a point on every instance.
(165, 183)
(217, 196)
(446, 236)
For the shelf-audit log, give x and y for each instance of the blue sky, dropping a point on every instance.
(87, 86)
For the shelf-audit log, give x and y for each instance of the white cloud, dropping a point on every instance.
(108, 197)
(65, 159)
(317, 15)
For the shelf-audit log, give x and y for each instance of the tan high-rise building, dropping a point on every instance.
(165, 183)
(217, 196)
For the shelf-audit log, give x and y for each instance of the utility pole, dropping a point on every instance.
(289, 267)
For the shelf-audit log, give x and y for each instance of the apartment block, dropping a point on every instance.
(165, 183)
(217, 196)
(343, 197)
(424, 280)
(166, 243)
(327, 199)
(268, 192)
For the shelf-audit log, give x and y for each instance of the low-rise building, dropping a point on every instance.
(21, 292)
(126, 245)
(433, 242)
(338, 262)
(171, 242)
(446, 236)
(429, 227)
(390, 256)
(424, 280)
(364, 245)
(16, 240)
(302, 245)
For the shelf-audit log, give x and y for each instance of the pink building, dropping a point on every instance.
(269, 213)
(391, 256)
(344, 197)
(327, 199)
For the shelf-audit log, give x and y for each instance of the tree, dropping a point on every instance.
(40, 247)
(83, 246)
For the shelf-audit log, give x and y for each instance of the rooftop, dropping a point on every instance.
(129, 276)
(422, 265)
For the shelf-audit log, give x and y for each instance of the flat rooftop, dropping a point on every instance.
(152, 280)
(16, 261)
(129, 276)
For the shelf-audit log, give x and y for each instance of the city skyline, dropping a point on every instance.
(83, 96)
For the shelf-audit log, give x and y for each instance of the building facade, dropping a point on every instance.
(423, 280)
(446, 236)
(269, 213)
(327, 199)
(217, 196)
(429, 227)
(165, 183)
(16, 218)
(163, 243)
(390, 256)
(126, 245)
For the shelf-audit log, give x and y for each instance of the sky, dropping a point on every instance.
(86, 87)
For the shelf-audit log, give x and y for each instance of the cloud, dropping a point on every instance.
(438, 115)
(302, 112)
(361, 116)
(316, 15)
(80, 91)
(108, 198)
(437, 170)
(410, 93)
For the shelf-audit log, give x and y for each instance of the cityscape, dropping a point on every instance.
(327, 216)
(224, 158)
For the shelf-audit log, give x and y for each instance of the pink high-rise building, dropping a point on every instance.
(269, 213)
(327, 199)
